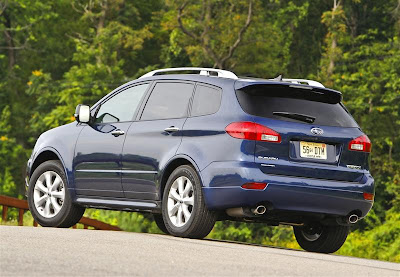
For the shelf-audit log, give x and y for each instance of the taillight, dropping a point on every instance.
(256, 186)
(368, 196)
(252, 131)
(361, 143)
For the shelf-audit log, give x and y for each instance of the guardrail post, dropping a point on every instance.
(23, 206)
(21, 217)
(4, 213)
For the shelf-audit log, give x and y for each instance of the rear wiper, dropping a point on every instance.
(297, 116)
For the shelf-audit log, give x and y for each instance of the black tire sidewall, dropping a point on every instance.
(191, 174)
(55, 221)
(326, 243)
(159, 220)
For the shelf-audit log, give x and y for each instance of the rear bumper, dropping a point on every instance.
(223, 190)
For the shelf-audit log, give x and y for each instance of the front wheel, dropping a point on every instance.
(320, 238)
(183, 207)
(48, 197)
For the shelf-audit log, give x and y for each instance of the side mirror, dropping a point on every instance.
(82, 113)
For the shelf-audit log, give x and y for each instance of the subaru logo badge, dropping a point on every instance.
(317, 131)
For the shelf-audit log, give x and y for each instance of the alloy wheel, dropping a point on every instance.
(180, 201)
(312, 232)
(49, 194)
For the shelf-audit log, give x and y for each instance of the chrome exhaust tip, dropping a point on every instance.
(353, 218)
(259, 210)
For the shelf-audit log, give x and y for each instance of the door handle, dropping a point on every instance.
(117, 133)
(171, 129)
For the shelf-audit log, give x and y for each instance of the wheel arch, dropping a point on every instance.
(172, 164)
(45, 155)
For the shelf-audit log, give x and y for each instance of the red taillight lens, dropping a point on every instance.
(362, 143)
(368, 196)
(252, 131)
(258, 186)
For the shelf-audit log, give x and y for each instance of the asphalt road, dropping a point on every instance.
(28, 251)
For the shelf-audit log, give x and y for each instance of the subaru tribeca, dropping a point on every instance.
(196, 145)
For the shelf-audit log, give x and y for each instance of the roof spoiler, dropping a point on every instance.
(331, 96)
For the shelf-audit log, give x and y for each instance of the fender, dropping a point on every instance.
(170, 161)
(53, 150)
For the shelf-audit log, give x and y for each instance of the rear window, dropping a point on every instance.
(294, 105)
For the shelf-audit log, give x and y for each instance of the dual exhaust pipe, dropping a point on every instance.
(259, 210)
(246, 212)
(353, 218)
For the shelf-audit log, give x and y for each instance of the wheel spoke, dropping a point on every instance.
(186, 212)
(179, 216)
(180, 186)
(174, 195)
(39, 186)
(47, 207)
(47, 175)
(58, 194)
(188, 189)
(173, 210)
(56, 183)
(189, 200)
(41, 200)
(55, 205)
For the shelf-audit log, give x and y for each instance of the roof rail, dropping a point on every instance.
(304, 82)
(203, 71)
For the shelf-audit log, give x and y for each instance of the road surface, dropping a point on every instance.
(28, 251)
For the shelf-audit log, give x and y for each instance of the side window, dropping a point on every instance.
(168, 100)
(122, 106)
(206, 100)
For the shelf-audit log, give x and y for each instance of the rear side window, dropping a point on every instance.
(206, 100)
(168, 100)
(288, 105)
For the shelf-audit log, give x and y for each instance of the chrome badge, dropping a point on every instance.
(354, 166)
(317, 131)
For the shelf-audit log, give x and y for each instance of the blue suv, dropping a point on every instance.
(196, 145)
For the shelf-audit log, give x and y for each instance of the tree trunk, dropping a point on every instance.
(10, 42)
(334, 42)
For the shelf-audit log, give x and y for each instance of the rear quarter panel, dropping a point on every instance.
(204, 137)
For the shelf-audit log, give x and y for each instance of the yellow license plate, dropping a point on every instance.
(312, 150)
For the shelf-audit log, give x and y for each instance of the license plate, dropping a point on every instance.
(312, 150)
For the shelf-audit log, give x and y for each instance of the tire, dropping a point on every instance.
(320, 238)
(158, 219)
(67, 213)
(201, 221)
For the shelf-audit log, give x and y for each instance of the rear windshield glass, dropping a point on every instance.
(291, 105)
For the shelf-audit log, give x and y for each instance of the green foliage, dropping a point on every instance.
(57, 54)
(12, 153)
(381, 242)
(127, 221)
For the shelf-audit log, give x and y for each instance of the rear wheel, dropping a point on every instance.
(48, 197)
(183, 207)
(315, 237)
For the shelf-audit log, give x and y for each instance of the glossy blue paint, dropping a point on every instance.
(125, 172)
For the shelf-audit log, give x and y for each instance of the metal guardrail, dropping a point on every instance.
(22, 206)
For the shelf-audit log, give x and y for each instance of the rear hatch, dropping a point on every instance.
(314, 128)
